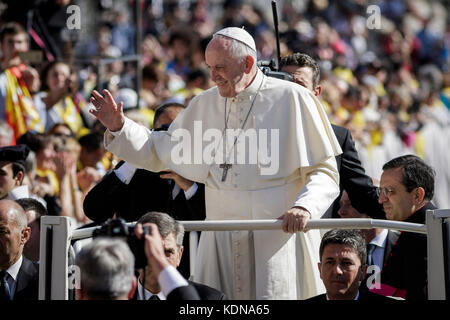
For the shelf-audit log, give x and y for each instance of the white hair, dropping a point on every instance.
(238, 49)
(107, 268)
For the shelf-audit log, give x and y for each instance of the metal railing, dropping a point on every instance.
(54, 249)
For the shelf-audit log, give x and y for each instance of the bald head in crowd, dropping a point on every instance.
(14, 232)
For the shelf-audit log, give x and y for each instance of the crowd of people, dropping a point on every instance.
(380, 83)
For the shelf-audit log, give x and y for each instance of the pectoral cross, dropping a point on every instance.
(225, 167)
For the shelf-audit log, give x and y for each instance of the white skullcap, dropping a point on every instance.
(238, 34)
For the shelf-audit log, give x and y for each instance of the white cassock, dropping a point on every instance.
(258, 264)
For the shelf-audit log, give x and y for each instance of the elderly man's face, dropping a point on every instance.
(7, 180)
(12, 236)
(229, 74)
(341, 271)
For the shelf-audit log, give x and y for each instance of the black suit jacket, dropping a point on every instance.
(391, 240)
(145, 192)
(353, 179)
(194, 291)
(184, 293)
(363, 296)
(406, 268)
(27, 287)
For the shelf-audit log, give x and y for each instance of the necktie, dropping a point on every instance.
(5, 294)
(154, 297)
(370, 249)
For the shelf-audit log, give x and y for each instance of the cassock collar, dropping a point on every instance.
(420, 215)
(252, 89)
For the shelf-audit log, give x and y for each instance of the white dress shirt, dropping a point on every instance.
(169, 279)
(378, 254)
(126, 172)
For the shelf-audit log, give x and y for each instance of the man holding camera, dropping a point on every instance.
(172, 233)
(107, 269)
(107, 264)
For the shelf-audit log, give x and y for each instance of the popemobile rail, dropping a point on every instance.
(57, 235)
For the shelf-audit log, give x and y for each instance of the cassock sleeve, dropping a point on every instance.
(320, 188)
(135, 144)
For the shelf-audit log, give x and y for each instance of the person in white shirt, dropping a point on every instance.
(342, 266)
(292, 177)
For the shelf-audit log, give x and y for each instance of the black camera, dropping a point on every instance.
(269, 67)
(118, 228)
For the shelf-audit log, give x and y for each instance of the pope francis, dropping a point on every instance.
(245, 264)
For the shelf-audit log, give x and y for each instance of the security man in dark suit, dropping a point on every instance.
(363, 194)
(19, 277)
(342, 267)
(172, 234)
(129, 193)
(407, 188)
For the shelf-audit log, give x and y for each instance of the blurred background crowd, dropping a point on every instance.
(386, 77)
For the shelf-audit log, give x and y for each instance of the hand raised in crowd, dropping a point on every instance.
(31, 78)
(107, 111)
(64, 164)
(154, 248)
(183, 183)
(87, 178)
(295, 219)
(42, 189)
